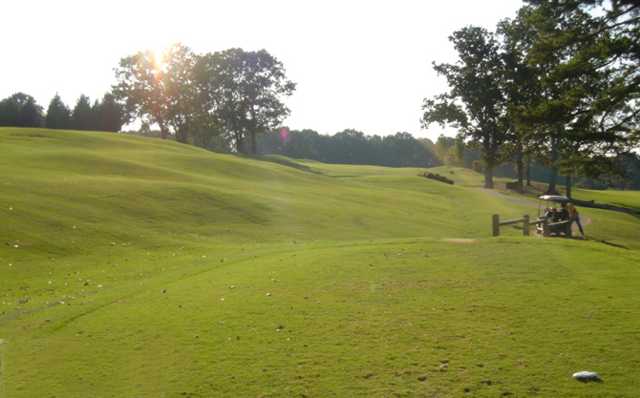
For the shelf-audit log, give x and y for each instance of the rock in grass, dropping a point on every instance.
(586, 376)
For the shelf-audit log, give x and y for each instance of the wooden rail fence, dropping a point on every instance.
(496, 224)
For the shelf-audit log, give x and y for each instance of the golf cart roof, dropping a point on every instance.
(555, 198)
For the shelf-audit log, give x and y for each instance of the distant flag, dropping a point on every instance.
(284, 134)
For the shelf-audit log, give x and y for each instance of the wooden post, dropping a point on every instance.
(525, 225)
(496, 224)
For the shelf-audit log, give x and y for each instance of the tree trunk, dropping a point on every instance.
(488, 176)
(553, 182)
(182, 136)
(520, 169)
(240, 148)
(528, 170)
(568, 183)
(164, 131)
(254, 145)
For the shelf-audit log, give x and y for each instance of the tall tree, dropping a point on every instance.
(588, 63)
(520, 86)
(475, 103)
(243, 90)
(177, 76)
(58, 114)
(159, 90)
(110, 114)
(20, 110)
(139, 87)
(82, 117)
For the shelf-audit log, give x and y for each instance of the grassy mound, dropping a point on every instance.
(137, 267)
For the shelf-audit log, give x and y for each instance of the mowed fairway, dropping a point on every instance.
(134, 267)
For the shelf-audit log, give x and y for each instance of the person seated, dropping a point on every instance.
(563, 214)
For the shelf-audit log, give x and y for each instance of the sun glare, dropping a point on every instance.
(159, 53)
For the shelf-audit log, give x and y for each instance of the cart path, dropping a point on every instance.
(519, 200)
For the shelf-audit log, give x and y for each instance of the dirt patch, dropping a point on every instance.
(460, 240)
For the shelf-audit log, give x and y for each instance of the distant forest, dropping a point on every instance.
(351, 147)
(403, 150)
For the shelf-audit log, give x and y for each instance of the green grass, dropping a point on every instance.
(629, 199)
(134, 267)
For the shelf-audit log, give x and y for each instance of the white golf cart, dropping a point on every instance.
(553, 217)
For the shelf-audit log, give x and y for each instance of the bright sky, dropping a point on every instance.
(358, 64)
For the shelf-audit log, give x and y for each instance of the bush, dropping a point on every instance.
(438, 177)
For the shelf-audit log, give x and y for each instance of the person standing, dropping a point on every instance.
(574, 216)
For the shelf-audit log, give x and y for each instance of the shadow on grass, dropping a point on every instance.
(606, 242)
(281, 161)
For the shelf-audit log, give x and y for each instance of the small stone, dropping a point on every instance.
(368, 375)
(586, 376)
(164, 291)
(422, 378)
(268, 294)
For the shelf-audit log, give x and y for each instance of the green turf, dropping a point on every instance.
(628, 199)
(134, 267)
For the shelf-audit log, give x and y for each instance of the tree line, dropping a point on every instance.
(559, 83)
(350, 147)
(22, 110)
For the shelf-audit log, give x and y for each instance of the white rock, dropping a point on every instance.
(586, 375)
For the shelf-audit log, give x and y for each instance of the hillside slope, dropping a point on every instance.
(138, 267)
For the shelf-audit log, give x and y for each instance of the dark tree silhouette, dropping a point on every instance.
(82, 117)
(58, 114)
(20, 110)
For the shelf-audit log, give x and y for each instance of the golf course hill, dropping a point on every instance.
(140, 267)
